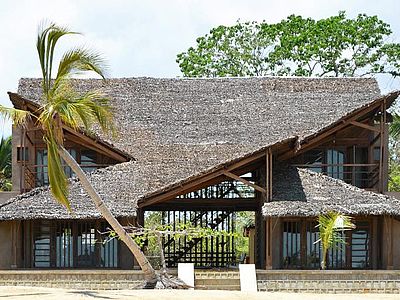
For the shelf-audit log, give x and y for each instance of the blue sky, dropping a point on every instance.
(142, 38)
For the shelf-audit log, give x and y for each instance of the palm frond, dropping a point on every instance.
(19, 117)
(48, 35)
(80, 60)
(394, 129)
(57, 178)
(77, 111)
(331, 226)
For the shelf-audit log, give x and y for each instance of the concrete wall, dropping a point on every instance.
(6, 245)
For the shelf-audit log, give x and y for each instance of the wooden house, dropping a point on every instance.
(201, 150)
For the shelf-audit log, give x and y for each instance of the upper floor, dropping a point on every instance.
(356, 153)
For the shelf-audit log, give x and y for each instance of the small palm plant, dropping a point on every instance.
(64, 106)
(331, 227)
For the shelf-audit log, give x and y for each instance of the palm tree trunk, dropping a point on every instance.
(144, 264)
(324, 254)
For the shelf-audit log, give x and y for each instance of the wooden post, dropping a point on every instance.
(382, 138)
(388, 225)
(385, 150)
(268, 221)
(140, 217)
(375, 243)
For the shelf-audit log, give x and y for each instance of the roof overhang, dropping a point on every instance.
(93, 142)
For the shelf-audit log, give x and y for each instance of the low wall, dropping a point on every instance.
(75, 279)
(305, 281)
(329, 281)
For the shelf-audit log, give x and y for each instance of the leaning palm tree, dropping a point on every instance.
(331, 227)
(63, 105)
(5, 164)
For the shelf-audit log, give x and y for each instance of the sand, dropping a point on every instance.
(61, 294)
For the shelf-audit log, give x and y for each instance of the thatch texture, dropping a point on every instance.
(177, 128)
(301, 192)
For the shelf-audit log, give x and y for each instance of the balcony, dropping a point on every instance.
(37, 175)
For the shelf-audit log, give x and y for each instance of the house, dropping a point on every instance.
(201, 150)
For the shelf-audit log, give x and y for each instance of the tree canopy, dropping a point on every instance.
(336, 46)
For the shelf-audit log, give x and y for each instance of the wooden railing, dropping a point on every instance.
(36, 175)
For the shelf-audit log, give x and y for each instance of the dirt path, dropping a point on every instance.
(61, 294)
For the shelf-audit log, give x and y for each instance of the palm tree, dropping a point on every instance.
(5, 164)
(63, 105)
(331, 226)
(394, 129)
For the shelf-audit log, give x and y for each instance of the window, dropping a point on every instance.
(42, 178)
(291, 244)
(88, 160)
(360, 240)
(377, 153)
(22, 154)
(335, 161)
(41, 247)
(355, 254)
(313, 248)
(73, 244)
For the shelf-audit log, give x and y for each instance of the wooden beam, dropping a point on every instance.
(191, 185)
(237, 204)
(106, 150)
(375, 139)
(244, 181)
(328, 132)
(269, 188)
(177, 190)
(365, 126)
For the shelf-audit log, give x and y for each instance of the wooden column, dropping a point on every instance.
(385, 150)
(381, 186)
(375, 243)
(140, 217)
(388, 229)
(268, 221)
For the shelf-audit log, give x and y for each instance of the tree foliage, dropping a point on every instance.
(336, 46)
(5, 164)
(331, 226)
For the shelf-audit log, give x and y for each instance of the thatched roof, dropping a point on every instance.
(301, 192)
(178, 128)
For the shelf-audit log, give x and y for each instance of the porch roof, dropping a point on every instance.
(301, 192)
(179, 129)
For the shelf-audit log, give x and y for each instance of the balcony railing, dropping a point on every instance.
(361, 175)
(37, 175)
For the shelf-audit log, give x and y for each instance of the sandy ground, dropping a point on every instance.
(60, 294)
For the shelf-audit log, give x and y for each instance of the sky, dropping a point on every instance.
(142, 38)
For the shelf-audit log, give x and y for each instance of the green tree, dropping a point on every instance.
(5, 164)
(331, 226)
(64, 105)
(335, 46)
